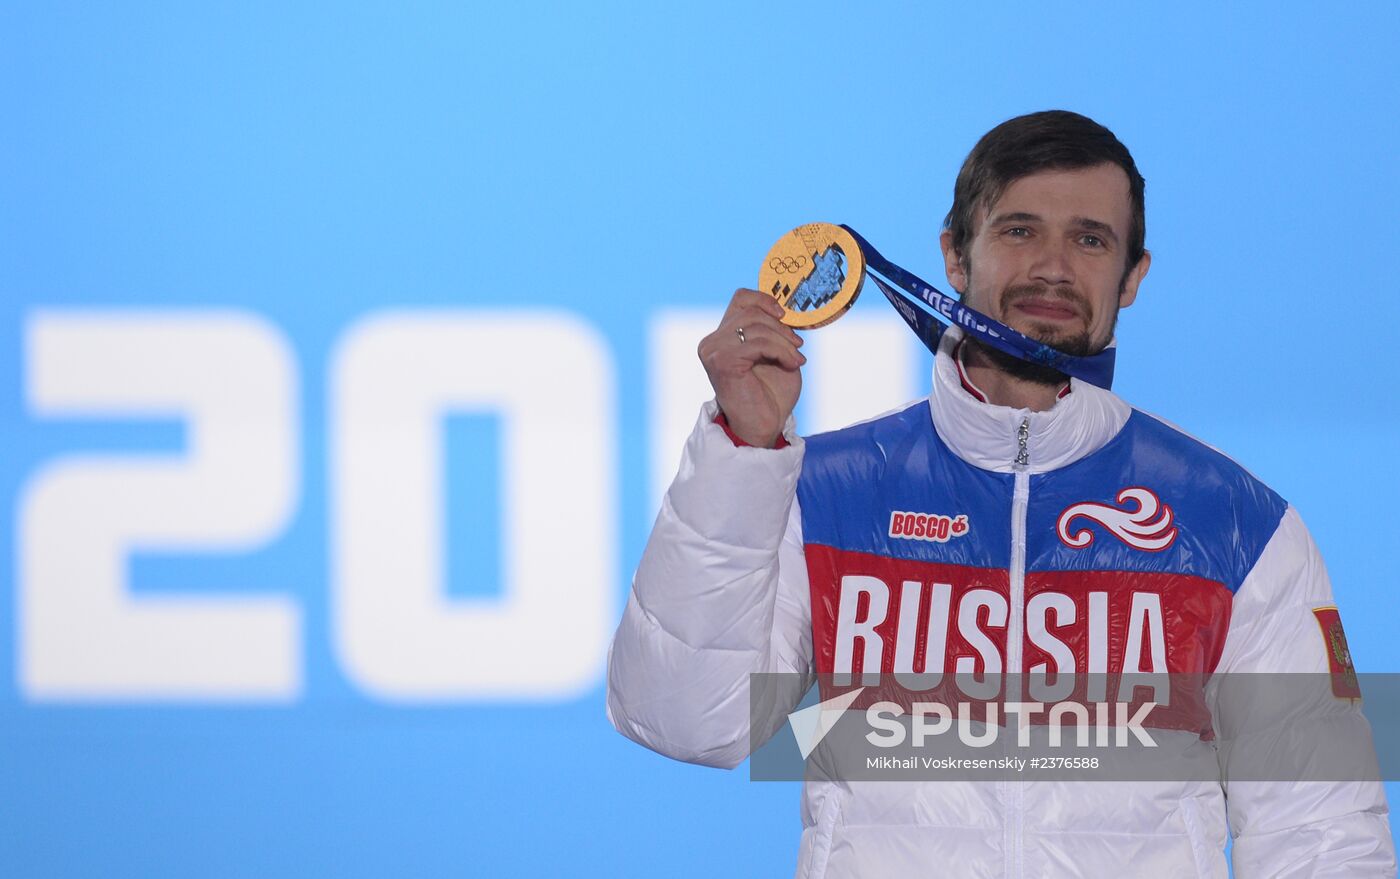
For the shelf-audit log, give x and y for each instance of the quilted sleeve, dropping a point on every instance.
(1275, 704)
(721, 593)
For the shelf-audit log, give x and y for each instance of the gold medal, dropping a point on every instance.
(814, 272)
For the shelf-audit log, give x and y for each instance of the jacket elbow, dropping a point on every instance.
(717, 755)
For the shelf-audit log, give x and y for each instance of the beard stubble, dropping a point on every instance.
(1079, 344)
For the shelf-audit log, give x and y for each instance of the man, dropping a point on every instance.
(1094, 538)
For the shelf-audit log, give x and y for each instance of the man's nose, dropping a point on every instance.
(1052, 264)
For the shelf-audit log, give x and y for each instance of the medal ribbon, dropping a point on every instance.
(920, 303)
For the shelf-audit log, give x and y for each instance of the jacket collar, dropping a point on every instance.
(1080, 423)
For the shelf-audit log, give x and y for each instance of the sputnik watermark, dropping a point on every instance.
(1089, 727)
(929, 719)
(1100, 724)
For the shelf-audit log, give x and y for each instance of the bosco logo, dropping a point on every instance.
(927, 526)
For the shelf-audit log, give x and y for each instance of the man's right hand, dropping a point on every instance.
(754, 367)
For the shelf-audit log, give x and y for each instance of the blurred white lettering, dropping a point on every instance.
(549, 377)
(82, 635)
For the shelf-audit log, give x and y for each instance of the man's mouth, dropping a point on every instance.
(1046, 309)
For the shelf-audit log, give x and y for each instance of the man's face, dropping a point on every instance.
(1048, 257)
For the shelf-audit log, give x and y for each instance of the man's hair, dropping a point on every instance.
(1052, 140)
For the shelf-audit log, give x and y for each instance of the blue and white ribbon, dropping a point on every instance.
(929, 312)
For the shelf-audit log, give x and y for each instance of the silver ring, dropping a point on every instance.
(740, 331)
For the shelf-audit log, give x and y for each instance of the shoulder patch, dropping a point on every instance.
(1334, 643)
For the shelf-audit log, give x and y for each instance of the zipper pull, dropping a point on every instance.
(1023, 435)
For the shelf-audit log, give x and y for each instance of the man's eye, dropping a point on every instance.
(1091, 240)
(1018, 231)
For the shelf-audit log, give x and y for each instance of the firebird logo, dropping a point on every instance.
(1149, 527)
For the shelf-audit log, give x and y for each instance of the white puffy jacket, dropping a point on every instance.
(750, 542)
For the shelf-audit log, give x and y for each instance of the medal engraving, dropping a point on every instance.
(814, 272)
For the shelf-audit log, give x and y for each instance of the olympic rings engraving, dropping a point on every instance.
(784, 264)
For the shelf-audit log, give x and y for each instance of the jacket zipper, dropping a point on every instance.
(1015, 632)
(1019, 500)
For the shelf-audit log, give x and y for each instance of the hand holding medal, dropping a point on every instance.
(754, 366)
(809, 279)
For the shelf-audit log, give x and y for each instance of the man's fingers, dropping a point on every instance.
(752, 318)
(751, 333)
(726, 348)
(764, 344)
(746, 298)
(769, 330)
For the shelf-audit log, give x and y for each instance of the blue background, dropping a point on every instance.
(314, 162)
